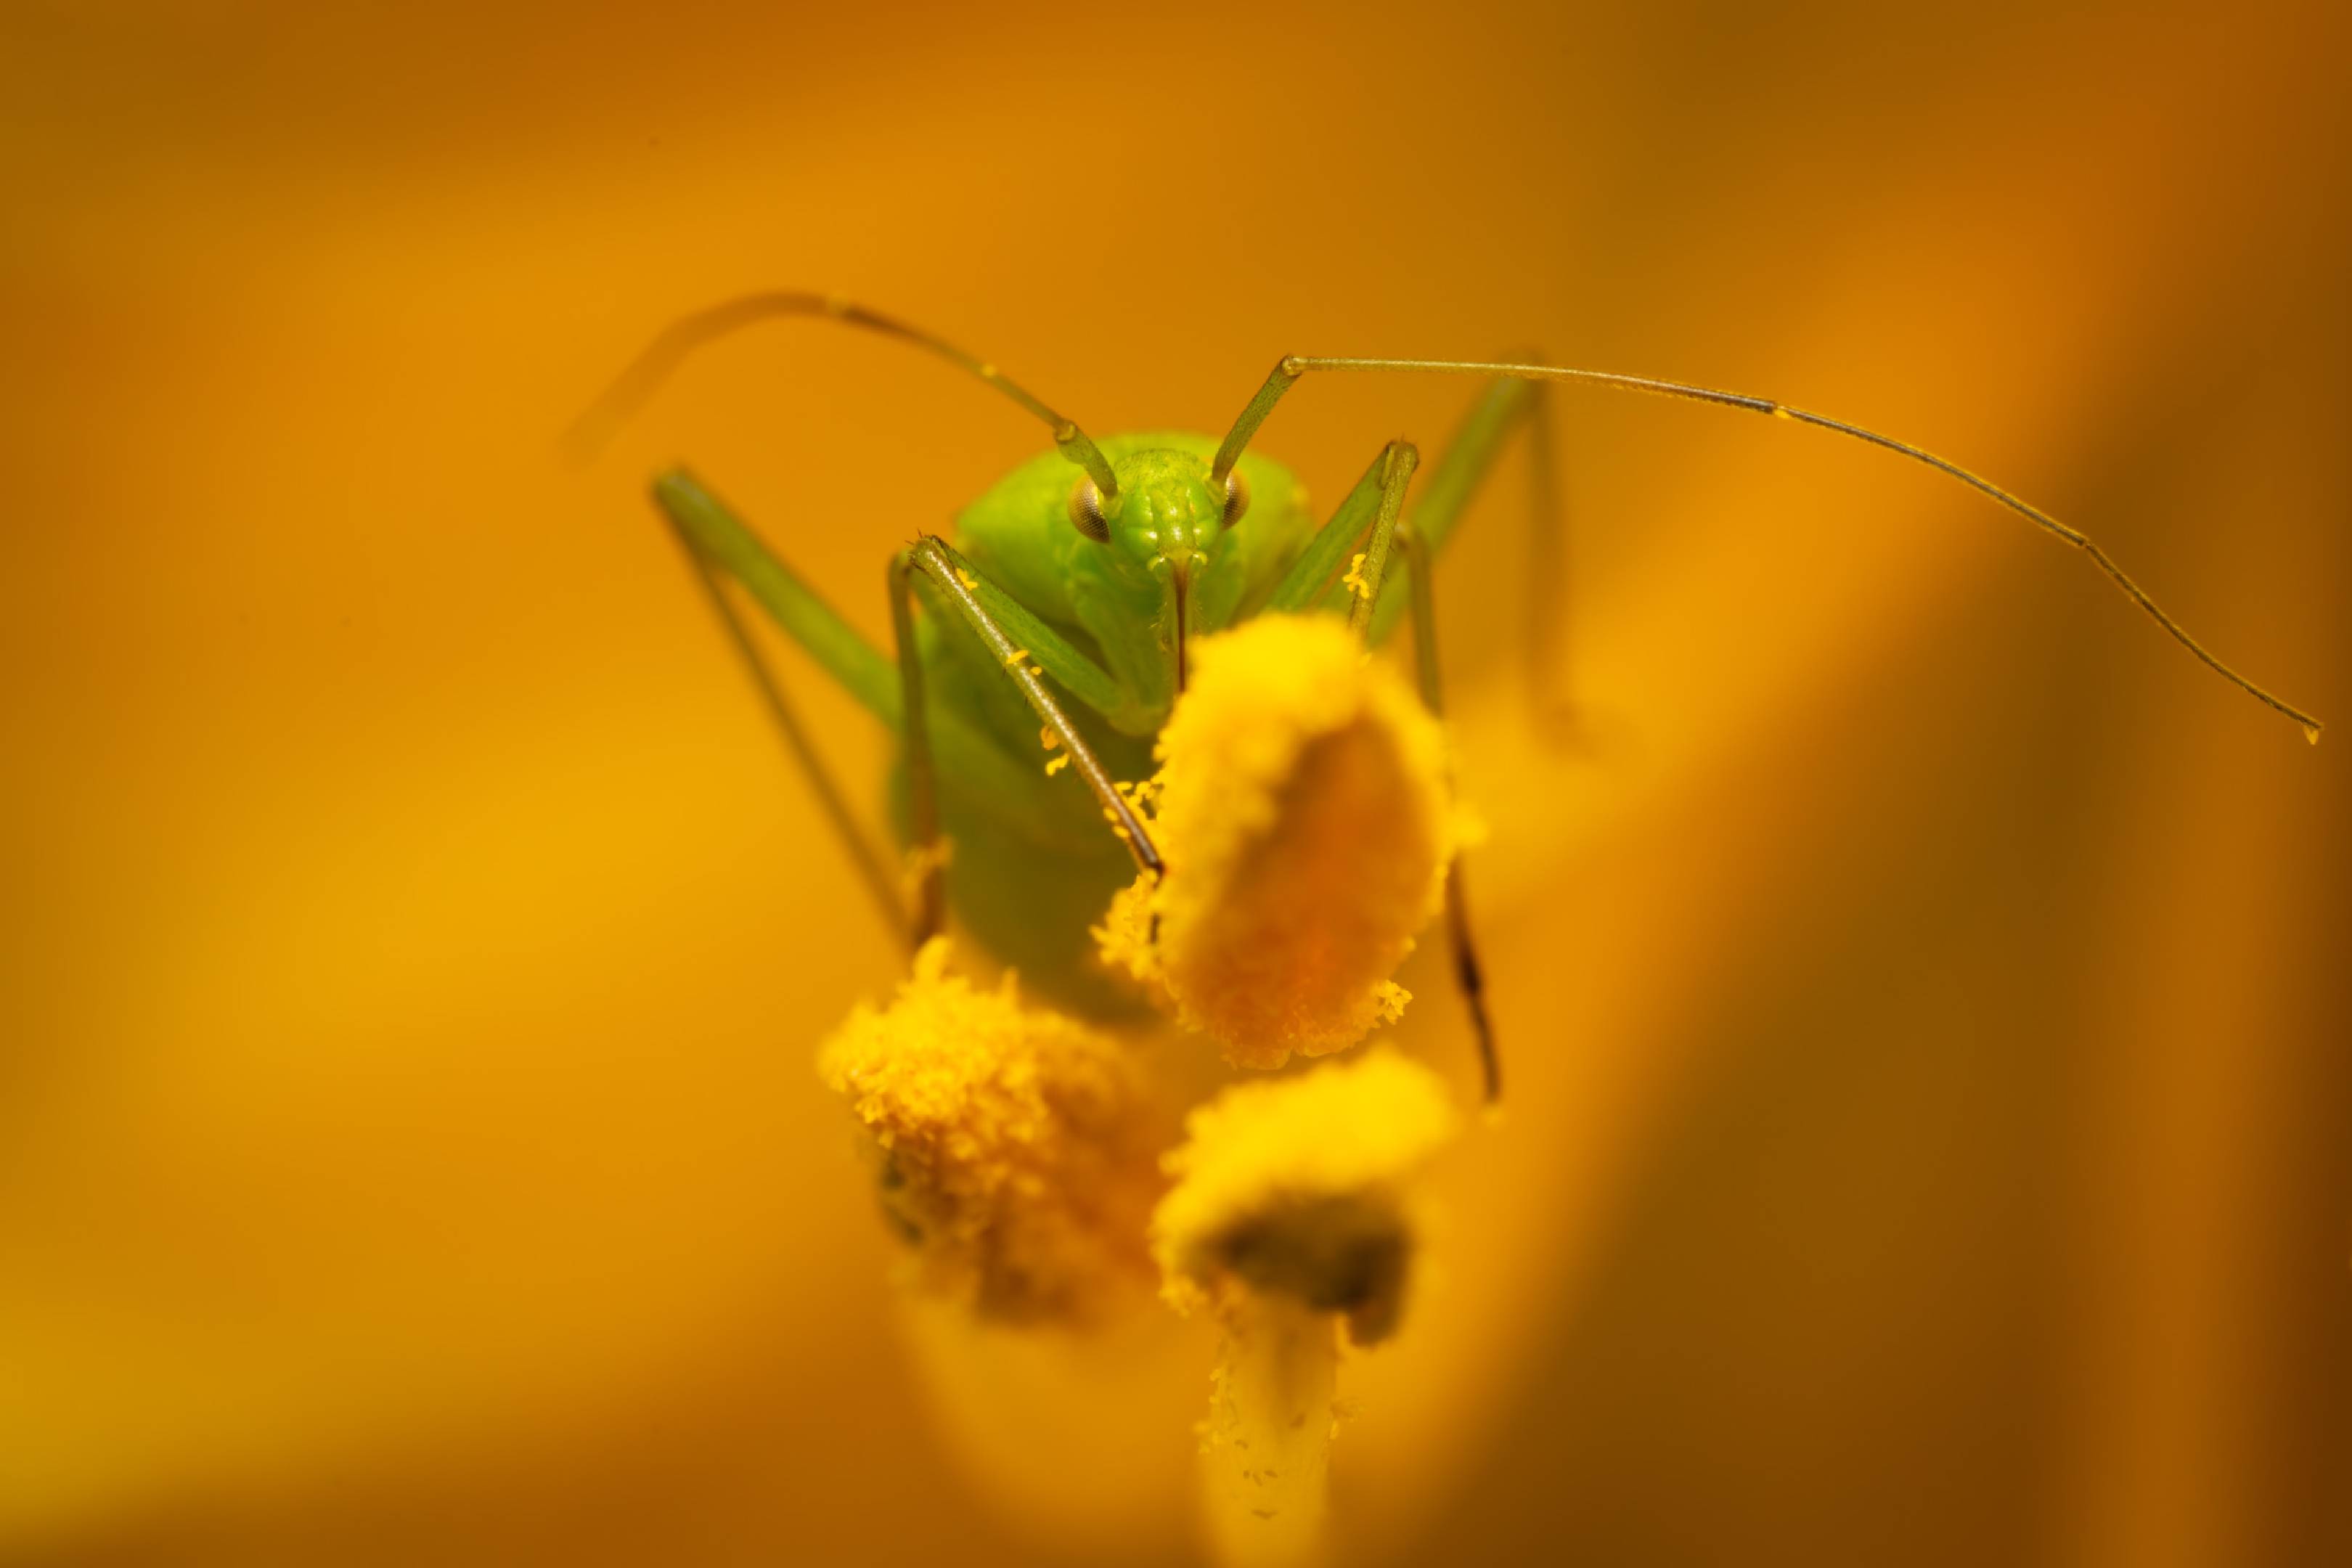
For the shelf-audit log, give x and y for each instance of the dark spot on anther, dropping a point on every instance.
(1336, 1255)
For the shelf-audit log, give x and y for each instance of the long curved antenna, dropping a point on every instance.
(630, 390)
(1289, 370)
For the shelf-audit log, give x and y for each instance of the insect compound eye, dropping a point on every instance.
(1085, 512)
(1237, 498)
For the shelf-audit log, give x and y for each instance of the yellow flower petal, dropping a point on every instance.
(1012, 1146)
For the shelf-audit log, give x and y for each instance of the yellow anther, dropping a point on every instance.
(1295, 1207)
(1304, 816)
(1302, 1187)
(1011, 1145)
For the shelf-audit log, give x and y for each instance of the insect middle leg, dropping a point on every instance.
(691, 514)
(722, 548)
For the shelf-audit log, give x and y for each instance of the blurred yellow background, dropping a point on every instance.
(1924, 1009)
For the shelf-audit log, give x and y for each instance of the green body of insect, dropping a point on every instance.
(1058, 621)
(1169, 554)
(1180, 556)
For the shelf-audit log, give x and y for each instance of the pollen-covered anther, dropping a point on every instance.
(1012, 1146)
(1304, 820)
(1293, 1210)
(1302, 1189)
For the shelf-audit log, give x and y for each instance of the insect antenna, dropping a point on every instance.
(591, 432)
(1287, 371)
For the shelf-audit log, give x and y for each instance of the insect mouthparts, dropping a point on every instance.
(1180, 584)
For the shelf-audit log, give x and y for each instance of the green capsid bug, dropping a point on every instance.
(1061, 606)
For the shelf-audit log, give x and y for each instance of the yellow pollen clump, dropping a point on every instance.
(1302, 1188)
(1056, 763)
(1124, 939)
(1012, 1146)
(1354, 580)
(1305, 819)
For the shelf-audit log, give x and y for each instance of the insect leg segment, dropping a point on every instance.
(1468, 975)
(829, 795)
(1396, 473)
(1505, 409)
(1287, 371)
(1377, 498)
(1310, 578)
(922, 776)
(1076, 673)
(935, 560)
(719, 538)
(720, 546)
(839, 650)
(866, 854)
(1550, 577)
(1462, 468)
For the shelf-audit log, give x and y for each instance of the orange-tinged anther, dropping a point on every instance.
(1305, 825)
(1012, 1146)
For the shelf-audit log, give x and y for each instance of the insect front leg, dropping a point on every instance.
(1505, 408)
(1377, 500)
(990, 608)
(986, 612)
(1051, 652)
(915, 744)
